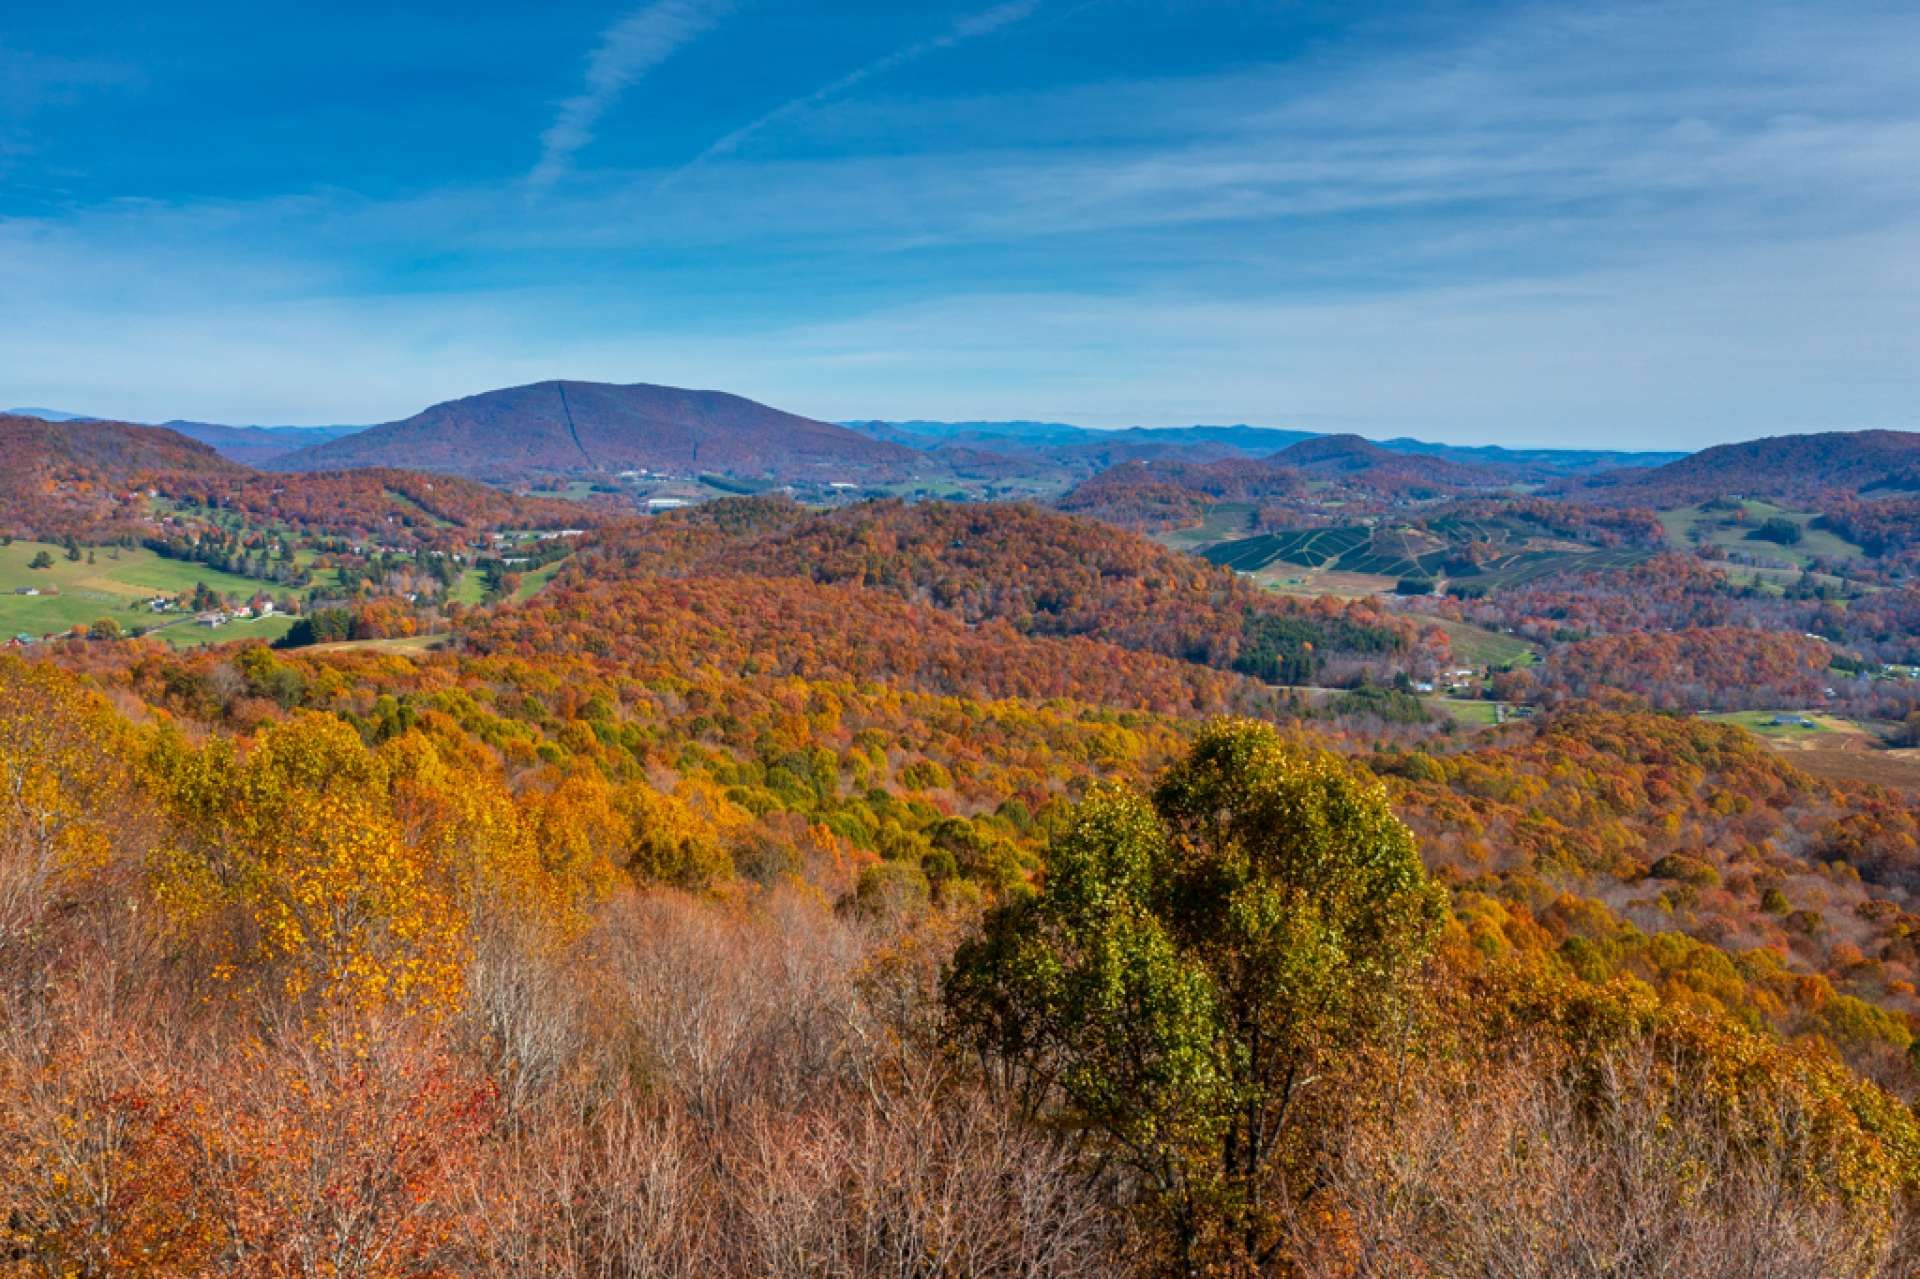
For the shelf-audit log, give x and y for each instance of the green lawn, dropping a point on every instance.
(190, 635)
(114, 585)
(1466, 711)
(532, 583)
(468, 588)
(119, 582)
(471, 588)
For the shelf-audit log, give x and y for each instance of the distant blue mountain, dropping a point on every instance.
(1556, 459)
(1062, 439)
(51, 415)
(1079, 449)
(257, 445)
(252, 445)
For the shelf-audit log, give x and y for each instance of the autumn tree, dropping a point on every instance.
(1196, 962)
(294, 847)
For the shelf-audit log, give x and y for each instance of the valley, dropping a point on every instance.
(1014, 639)
(1650, 763)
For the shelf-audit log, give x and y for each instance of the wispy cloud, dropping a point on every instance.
(1659, 223)
(971, 27)
(628, 50)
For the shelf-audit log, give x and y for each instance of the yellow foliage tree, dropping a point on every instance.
(66, 792)
(295, 846)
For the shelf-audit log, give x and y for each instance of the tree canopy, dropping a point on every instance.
(1192, 963)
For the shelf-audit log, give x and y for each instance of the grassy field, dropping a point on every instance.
(1467, 711)
(532, 583)
(1478, 646)
(399, 644)
(1714, 528)
(1224, 523)
(109, 587)
(1834, 748)
(1290, 579)
(471, 587)
(188, 635)
(1762, 722)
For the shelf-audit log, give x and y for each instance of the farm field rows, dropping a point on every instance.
(1394, 554)
(1529, 566)
(1308, 548)
(1350, 549)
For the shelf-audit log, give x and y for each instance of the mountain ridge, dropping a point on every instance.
(1201, 443)
(1787, 466)
(251, 445)
(562, 426)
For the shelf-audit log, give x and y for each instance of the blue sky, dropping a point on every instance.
(1588, 224)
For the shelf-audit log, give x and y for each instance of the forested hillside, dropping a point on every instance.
(778, 891)
(1784, 466)
(1040, 573)
(67, 476)
(1227, 641)
(561, 427)
(100, 481)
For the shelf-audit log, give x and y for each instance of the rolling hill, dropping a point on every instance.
(1065, 442)
(1164, 494)
(1544, 461)
(72, 476)
(92, 480)
(251, 445)
(1161, 495)
(585, 427)
(1781, 466)
(106, 452)
(52, 415)
(257, 445)
(1351, 459)
(1039, 572)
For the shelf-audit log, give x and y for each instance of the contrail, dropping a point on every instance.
(628, 50)
(968, 28)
